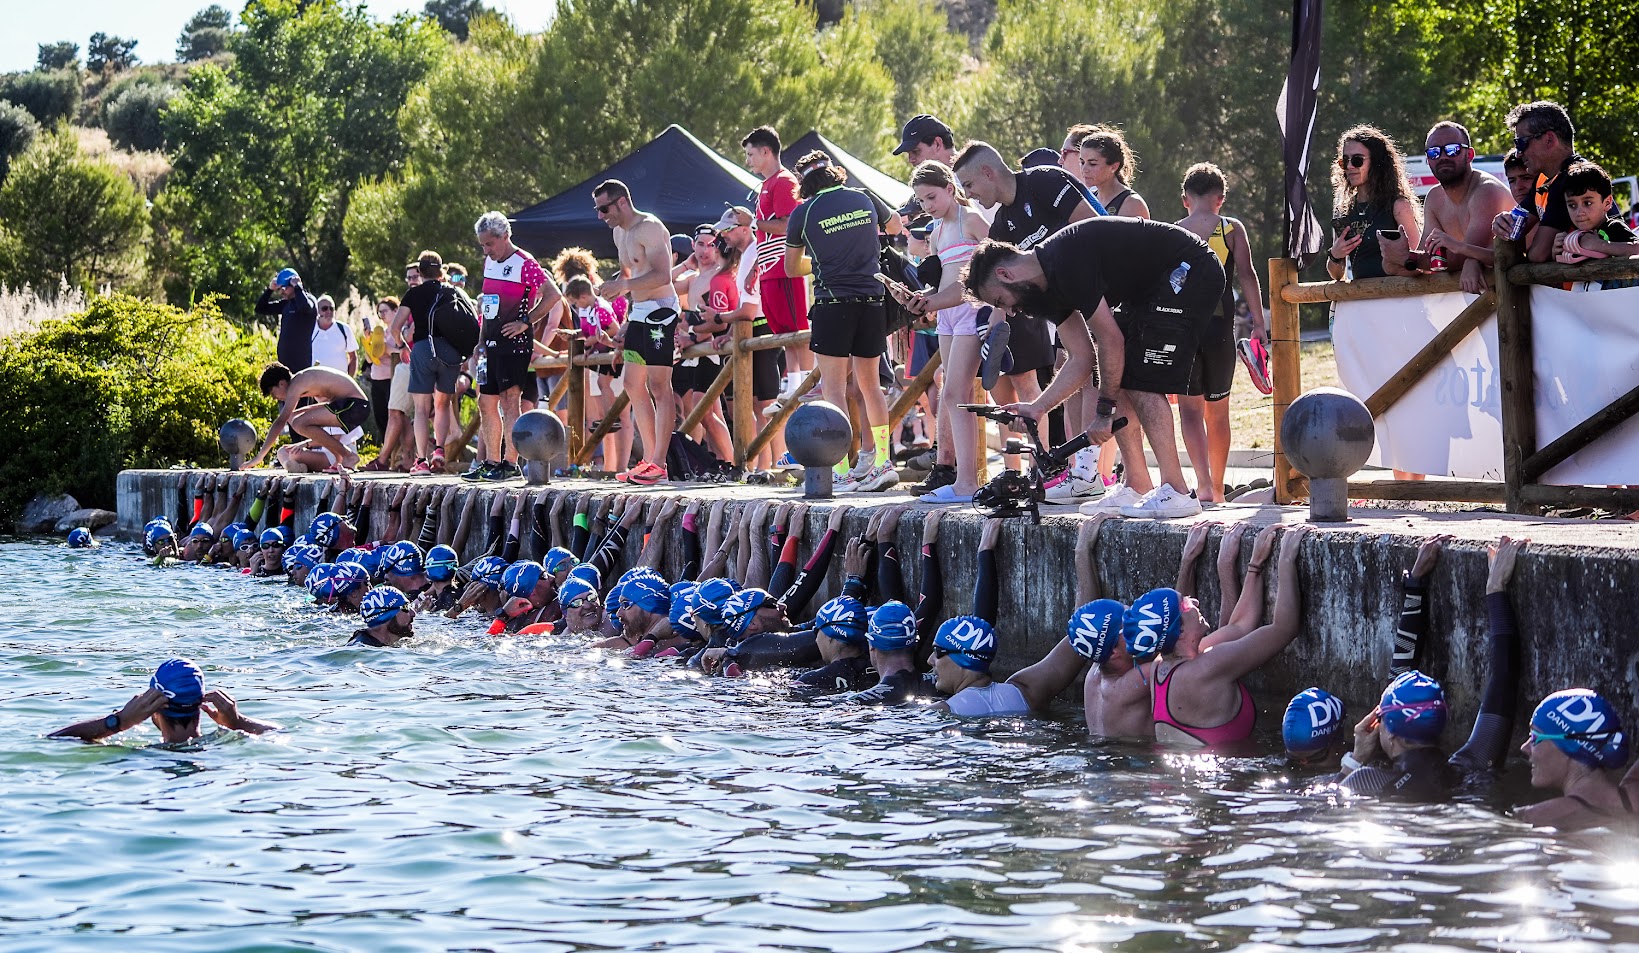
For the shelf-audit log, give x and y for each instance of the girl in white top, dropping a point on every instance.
(957, 230)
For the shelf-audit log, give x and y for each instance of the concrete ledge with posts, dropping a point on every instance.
(1571, 589)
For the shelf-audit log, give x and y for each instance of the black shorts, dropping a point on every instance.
(351, 411)
(1030, 344)
(1214, 371)
(649, 343)
(695, 379)
(1163, 336)
(506, 371)
(854, 328)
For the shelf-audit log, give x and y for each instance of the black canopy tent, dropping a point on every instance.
(861, 174)
(675, 177)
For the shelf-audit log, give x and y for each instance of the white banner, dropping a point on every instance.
(1587, 354)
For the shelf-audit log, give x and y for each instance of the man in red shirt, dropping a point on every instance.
(785, 300)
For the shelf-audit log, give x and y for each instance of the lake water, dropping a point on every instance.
(469, 793)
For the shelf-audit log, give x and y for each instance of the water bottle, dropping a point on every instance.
(481, 374)
(1176, 279)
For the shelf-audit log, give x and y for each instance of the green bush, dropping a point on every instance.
(49, 96)
(132, 117)
(17, 132)
(128, 383)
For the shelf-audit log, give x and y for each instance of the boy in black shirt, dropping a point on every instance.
(1596, 232)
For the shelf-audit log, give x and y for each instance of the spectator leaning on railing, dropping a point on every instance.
(1370, 196)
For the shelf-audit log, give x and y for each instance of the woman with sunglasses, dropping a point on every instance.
(1575, 743)
(1396, 752)
(1370, 194)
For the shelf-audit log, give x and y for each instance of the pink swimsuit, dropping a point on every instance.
(1238, 728)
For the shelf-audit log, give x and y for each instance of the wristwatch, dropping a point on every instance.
(112, 722)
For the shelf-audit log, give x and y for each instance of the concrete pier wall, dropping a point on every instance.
(1573, 589)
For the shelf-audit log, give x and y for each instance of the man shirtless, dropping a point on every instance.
(332, 425)
(644, 246)
(1458, 212)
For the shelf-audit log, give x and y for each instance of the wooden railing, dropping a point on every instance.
(736, 352)
(1524, 463)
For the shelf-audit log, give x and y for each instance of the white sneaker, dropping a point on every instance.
(1112, 502)
(1068, 487)
(844, 483)
(878, 479)
(1163, 503)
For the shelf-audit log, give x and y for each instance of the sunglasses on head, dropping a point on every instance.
(1451, 149)
(1357, 160)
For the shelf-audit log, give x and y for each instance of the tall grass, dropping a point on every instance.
(22, 311)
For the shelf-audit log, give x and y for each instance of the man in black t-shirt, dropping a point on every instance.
(1165, 280)
(432, 383)
(1545, 140)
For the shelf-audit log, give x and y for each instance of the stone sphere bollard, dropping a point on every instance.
(818, 435)
(1327, 435)
(539, 437)
(237, 438)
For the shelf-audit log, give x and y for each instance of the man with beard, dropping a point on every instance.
(1167, 283)
(387, 616)
(1457, 213)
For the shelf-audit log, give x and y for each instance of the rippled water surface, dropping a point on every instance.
(476, 794)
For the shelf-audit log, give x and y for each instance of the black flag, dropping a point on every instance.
(1296, 111)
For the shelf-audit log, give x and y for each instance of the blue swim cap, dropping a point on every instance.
(488, 570)
(589, 574)
(1150, 627)
(285, 277)
(741, 608)
(403, 558)
(713, 594)
(183, 684)
(1584, 725)
(649, 594)
(893, 627)
(441, 563)
(346, 578)
(844, 619)
(202, 531)
(1095, 628)
(969, 640)
(573, 589)
(273, 535)
(363, 556)
(1413, 707)
(682, 614)
(157, 531)
(1315, 720)
(304, 554)
(318, 581)
(520, 578)
(325, 529)
(380, 604)
(242, 537)
(557, 557)
(79, 538)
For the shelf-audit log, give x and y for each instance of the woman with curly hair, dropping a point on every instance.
(1108, 165)
(1370, 194)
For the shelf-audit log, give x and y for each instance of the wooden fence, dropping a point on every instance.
(1524, 462)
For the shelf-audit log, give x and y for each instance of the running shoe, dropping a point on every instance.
(879, 478)
(945, 496)
(648, 476)
(844, 482)
(476, 473)
(1112, 501)
(992, 352)
(421, 468)
(942, 474)
(1163, 503)
(503, 471)
(1067, 487)
(1256, 358)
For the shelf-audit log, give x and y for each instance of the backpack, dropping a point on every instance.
(687, 460)
(895, 265)
(452, 326)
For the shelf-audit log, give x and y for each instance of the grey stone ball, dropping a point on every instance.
(539, 435)
(1327, 433)
(237, 436)
(818, 434)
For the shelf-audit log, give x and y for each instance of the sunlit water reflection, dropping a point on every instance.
(475, 794)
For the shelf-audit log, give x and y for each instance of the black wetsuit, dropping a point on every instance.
(843, 675)
(363, 637)
(895, 689)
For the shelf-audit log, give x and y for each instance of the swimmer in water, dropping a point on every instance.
(530, 598)
(176, 695)
(299, 560)
(1313, 729)
(404, 567)
(483, 593)
(441, 591)
(963, 649)
(1575, 742)
(270, 552)
(581, 604)
(1195, 672)
(387, 616)
(80, 538)
(892, 638)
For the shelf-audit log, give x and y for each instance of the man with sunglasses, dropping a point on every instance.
(333, 343)
(1457, 213)
(1545, 140)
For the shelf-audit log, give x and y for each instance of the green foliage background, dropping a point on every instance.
(129, 383)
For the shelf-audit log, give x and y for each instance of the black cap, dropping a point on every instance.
(1039, 157)
(920, 129)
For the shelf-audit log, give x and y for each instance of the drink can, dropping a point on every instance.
(1437, 259)
(1519, 216)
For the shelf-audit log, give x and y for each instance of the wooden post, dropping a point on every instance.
(582, 456)
(725, 375)
(1437, 349)
(577, 395)
(744, 426)
(1285, 358)
(913, 391)
(981, 447)
(1515, 366)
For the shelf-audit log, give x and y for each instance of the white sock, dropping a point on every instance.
(1086, 463)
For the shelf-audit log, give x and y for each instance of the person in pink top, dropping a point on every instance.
(516, 294)
(785, 299)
